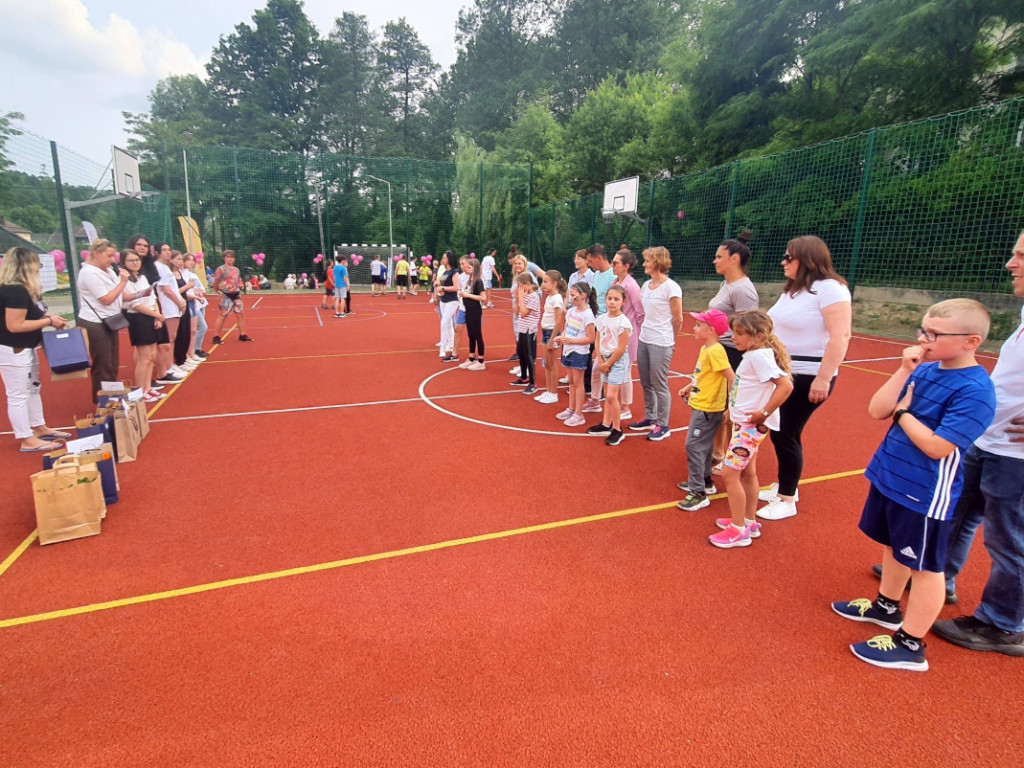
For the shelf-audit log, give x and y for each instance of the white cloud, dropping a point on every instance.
(62, 37)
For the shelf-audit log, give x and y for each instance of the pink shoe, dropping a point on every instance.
(563, 415)
(592, 406)
(730, 537)
(754, 530)
(576, 420)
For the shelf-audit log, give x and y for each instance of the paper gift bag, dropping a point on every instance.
(103, 458)
(101, 423)
(69, 501)
(84, 373)
(126, 432)
(141, 415)
(66, 350)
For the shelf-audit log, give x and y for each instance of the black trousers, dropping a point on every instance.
(181, 347)
(793, 417)
(475, 332)
(526, 348)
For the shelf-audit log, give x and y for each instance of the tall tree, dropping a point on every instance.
(350, 94)
(499, 63)
(263, 79)
(406, 70)
(7, 130)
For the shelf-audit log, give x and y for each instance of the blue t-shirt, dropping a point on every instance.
(340, 273)
(602, 282)
(958, 405)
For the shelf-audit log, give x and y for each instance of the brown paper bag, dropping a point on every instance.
(69, 501)
(141, 415)
(126, 440)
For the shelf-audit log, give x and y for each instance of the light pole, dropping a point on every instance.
(391, 237)
(188, 203)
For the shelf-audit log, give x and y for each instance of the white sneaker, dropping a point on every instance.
(196, 360)
(777, 510)
(771, 493)
(466, 363)
(564, 380)
(626, 415)
(180, 372)
(515, 371)
(476, 366)
(547, 398)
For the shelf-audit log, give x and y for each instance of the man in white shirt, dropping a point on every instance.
(377, 276)
(487, 267)
(993, 494)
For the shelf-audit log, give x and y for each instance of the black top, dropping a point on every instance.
(473, 307)
(448, 282)
(17, 297)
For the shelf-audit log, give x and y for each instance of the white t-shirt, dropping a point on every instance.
(608, 331)
(462, 280)
(168, 307)
(1008, 378)
(137, 287)
(94, 282)
(753, 386)
(375, 267)
(551, 303)
(657, 328)
(487, 268)
(800, 325)
(576, 323)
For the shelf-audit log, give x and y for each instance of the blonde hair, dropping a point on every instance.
(659, 257)
(757, 323)
(99, 245)
(971, 315)
(21, 267)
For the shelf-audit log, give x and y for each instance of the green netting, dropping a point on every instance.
(933, 205)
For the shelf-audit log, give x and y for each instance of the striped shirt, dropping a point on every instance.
(528, 324)
(957, 404)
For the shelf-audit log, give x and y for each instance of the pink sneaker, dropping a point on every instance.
(730, 537)
(754, 530)
(576, 420)
(592, 406)
(563, 415)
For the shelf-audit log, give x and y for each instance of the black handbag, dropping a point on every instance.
(113, 323)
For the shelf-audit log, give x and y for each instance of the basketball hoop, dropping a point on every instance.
(608, 215)
(150, 202)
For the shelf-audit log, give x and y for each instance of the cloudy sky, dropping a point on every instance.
(72, 66)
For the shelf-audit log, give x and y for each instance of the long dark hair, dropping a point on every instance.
(814, 263)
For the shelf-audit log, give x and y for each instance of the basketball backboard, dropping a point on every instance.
(126, 174)
(621, 196)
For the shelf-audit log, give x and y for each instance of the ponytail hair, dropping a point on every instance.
(560, 285)
(513, 251)
(587, 290)
(757, 323)
(739, 247)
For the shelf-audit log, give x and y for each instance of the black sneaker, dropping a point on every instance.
(530, 390)
(199, 353)
(519, 383)
(974, 634)
(615, 437)
(243, 337)
(170, 378)
(863, 609)
(217, 340)
(600, 430)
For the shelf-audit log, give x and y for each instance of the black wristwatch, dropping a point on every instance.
(898, 415)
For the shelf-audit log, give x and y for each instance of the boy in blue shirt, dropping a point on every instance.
(341, 285)
(940, 401)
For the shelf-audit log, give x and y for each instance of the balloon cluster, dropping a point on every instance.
(60, 262)
(427, 259)
(199, 257)
(356, 258)
(304, 275)
(259, 257)
(319, 258)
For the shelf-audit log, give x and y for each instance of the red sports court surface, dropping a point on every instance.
(333, 551)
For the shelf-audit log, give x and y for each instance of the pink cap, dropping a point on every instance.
(716, 318)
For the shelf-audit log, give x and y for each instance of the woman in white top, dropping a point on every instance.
(99, 292)
(813, 318)
(662, 299)
(144, 319)
(171, 306)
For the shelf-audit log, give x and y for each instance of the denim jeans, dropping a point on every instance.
(993, 494)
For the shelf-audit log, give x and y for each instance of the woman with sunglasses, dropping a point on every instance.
(813, 318)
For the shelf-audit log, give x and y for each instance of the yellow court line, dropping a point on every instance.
(866, 370)
(300, 571)
(18, 552)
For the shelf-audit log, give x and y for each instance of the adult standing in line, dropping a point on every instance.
(402, 276)
(623, 264)
(533, 269)
(23, 315)
(487, 270)
(736, 294)
(663, 306)
(100, 289)
(376, 276)
(993, 495)
(172, 304)
(598, 262)
(144, 319)
(813, 318)
(448, 303)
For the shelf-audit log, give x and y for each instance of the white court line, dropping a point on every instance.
(257, 302)
(318, 318)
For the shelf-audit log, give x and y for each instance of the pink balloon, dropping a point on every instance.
(57, 253)
(117, 258)
(681, 215)
(320, 256)
(303, 275)
(199, 257)
(398, 258)
(84, 255)
(263, 255)
(472, 255)
(255, 257)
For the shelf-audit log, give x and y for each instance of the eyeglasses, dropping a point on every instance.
(932, 335)
(786, 259)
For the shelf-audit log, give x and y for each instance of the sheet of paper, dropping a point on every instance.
(84, 443)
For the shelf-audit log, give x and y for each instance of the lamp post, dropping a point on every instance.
(188, 203)
(391, 238)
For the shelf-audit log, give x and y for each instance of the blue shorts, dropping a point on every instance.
(575, 360)
(545, 334)
(460, 318)
(618, 374)
(917, 541)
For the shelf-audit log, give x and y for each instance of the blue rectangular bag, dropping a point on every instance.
(66, 350)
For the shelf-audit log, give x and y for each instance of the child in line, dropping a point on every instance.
(328, 286)
(575, 339)
(707, 395)
(553, 287)
(761, 385)
(940, 401)
(341, 283)
(228, 280)
(613, 363)
(526, 306)
(474, 296)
